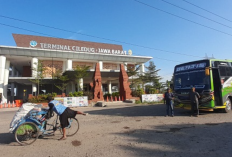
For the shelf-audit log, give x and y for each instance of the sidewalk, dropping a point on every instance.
(9, 109)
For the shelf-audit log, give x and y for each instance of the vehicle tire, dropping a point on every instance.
(228, 106)
(26, 133)
(73, 127)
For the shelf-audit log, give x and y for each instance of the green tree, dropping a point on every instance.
(80, 72)
(64, 82)
(133, 71)
(38, 74)
(150, 76)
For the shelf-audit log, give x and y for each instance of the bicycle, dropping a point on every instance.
(35, 123)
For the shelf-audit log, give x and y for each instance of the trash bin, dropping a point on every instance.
(19, 103)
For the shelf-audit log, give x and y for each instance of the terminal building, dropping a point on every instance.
(17, 64)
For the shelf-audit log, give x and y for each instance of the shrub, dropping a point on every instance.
(115, 94)
(89, 95)
(107, 94)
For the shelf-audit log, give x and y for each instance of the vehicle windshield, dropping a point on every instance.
(189, 79)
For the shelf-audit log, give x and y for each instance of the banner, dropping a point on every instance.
(152, 97)
(73, 101)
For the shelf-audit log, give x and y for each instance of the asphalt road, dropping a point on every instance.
(129, 130)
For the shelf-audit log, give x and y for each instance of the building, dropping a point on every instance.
(17, 65)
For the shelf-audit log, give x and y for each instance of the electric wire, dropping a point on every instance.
(122, 42)
(196, 14)
(150, 6)
(207, 10)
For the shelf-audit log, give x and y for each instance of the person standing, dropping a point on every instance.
(194, 96)
(168, 97)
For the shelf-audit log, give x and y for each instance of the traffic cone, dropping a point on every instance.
(119, 98)
(5, 106)
(1, 105)
(111, 98)
(9, 106)
(13, 104)
(107, 99)
(115, 98)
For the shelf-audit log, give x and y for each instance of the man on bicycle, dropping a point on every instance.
(63, 112)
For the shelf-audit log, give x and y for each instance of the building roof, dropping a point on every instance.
(10, 51)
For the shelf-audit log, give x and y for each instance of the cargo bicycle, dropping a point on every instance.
(37, 123)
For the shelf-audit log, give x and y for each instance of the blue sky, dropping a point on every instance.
(130, 22)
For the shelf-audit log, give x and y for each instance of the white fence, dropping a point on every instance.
(73, 101)
(152, 97)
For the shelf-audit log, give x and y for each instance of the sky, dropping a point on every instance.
(170, 31)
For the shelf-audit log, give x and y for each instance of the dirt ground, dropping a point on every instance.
(129, 130)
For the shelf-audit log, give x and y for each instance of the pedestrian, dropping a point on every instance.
(63, 112)
(194, 96)
(168, 97)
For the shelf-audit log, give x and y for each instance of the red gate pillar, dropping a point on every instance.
(97, 84)
(125, 91)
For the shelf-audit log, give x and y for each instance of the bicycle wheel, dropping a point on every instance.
(26, 133)
(72, 128)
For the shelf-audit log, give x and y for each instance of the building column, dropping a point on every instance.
(34, 66)
(109, 87)
(2, 72)
(69, 64)
(6, 78)
(100, 65)
(142, 69)
(80, 87)
(12, 71)
(12, 94)
(64, 66)
(125, 65)
(34, 89)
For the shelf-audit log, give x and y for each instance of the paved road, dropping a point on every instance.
(131, 131)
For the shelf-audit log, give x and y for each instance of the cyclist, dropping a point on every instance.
(63, 112)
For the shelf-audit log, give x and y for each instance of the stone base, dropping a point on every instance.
(100, 104)
(130, 101)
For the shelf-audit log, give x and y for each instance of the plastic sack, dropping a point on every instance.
(21, 113)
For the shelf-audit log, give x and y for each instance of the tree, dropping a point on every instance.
(131, 72)
(80, 72)
(38, 74)
(63, 84)
(150, 76)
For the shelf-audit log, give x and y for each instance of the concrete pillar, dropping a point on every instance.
(69, 65)
(125, 65)
(34, 66)
(101, 65)
(142, 69)
(80, 87)
(12, 90)
(6, 78)
(34, 89)
(109, 87)
(2, 72)
(64, 66)
(12, 71)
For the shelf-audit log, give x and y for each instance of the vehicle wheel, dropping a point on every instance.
(72, 128)
(26, 133)
(228, 105)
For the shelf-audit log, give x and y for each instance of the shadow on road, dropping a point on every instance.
(210, 139)
(140, 110)
(6, 138)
